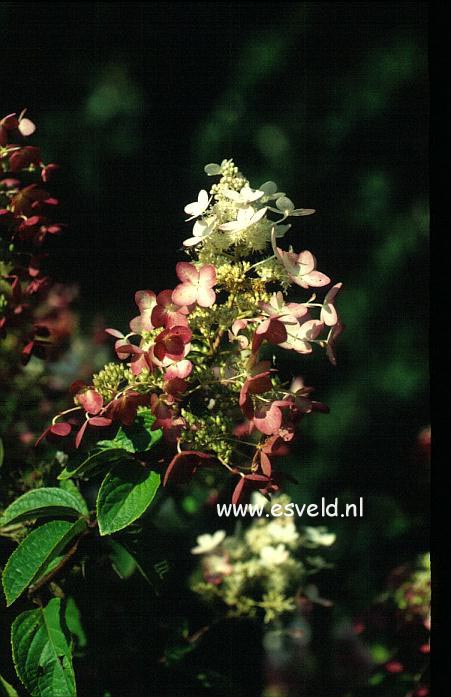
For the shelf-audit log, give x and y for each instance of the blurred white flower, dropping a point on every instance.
(319, 537)
(283, 532)
(258, 500)
(273, 556)
(207, 543)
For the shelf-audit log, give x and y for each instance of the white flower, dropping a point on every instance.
(207, 543)
(201, 230)
(245, 218)
(270, 190)
(216, 564)
(273, 556)
(319, 536)
(286, 206)
(258, 500)
(194, 210)
(243, 197)
(283, 532)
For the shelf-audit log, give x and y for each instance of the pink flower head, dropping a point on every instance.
(26, 156)
(196, 286)
(278, 308)
(334, 333)
(272, 329)
(280, 318)
(394, 667)
(166, 418)
(146, 301)
(60, 430)
(255, 384)
(184, 465)
(175, 378)
(139, 359)
(11, 126)
(268, 417)
(234, 333)
(125, 407)
(48, 172)
(171, 343)
(300, 335)
(302, 268)
(166, 313)
(274, 446)
(90, 400)
(248, 484)
(119, 346)
(99, 421)
(163, 412)
(261, 458)
(328, 312)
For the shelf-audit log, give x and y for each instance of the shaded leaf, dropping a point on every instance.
(122, 561)
(81, 465)
(124, 495)
(138, 437)
(43, 502)
(73, 621)
(31, 558)
(42, 651)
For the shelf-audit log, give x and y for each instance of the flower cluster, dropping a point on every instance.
(197, 355)
(397, 629)
(34, 314)
(259, 570)
(413, 595)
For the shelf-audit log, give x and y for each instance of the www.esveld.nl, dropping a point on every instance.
(324, 509)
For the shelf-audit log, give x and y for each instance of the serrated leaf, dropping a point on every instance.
(82, 465)
(72, 488)
(31, 558)
(138, 437)
(7, 690)
(124, 495)
(44, 502)
(41, 646)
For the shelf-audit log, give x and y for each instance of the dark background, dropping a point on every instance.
(330, 100)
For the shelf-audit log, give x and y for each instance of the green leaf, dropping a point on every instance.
(44, 502)
(73, 620)
(122, 561)
(31, 558)
(72, 488)
(7, 690)
(42, 651)
(138, 437)
(125, 493)
(149, 555)
(81, 465)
